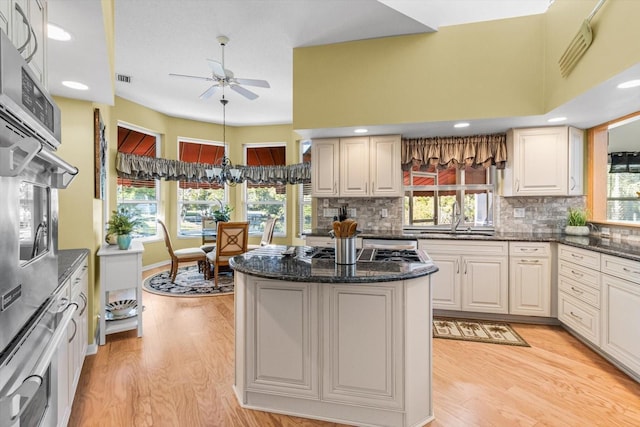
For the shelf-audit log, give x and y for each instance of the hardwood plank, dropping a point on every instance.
(180, 373)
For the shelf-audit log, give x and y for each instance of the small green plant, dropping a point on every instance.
(123, 221)
(223, 214)
(577, 217)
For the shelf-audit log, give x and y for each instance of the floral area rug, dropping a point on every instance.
(189, 283)
(476, 330)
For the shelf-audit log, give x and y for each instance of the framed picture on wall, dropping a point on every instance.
(100, 155)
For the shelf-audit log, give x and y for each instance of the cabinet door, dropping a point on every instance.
(445, 284)
(354, 167)
(325, 163)
(5, 16)
(37, 46)
(282, 344)
(620, 320)
(576, 162)
(384, 171)
(540, 162)
(485, 284)
(362, 345)
(530, 286)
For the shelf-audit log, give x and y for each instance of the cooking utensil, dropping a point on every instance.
(336, 228)
(579, 44)
(352, 229)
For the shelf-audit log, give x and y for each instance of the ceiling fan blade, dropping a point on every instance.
(253, 82)
(217, 68)
(209, 79)
(244, 92)
(207, 93)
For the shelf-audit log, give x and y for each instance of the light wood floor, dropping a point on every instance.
(181, 374)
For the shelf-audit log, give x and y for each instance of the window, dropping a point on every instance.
(198, 199)
(266, 200)
(304, 193)
(614, 178)
(430, 196)
(140, 196)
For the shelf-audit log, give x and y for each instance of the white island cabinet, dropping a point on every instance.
(357, 353)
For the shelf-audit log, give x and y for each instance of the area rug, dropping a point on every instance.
(189, 283)
(476, 330)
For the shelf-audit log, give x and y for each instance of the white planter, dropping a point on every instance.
(577, 230)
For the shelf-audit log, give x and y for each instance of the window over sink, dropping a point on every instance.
(431, 195)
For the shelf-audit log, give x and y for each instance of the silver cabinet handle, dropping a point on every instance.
(529, 261)
(457, 266)
(465, 267)
(576, 273)
(630, 271)
(573, 183)
(528, 250)
(517, 185)
(577, 256)
(577, 291)
(575, 315)
(75, 329)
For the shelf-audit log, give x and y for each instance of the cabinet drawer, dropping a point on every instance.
(327, 242)
(539, 249)
(579, 256)
(622, 268)
(582, 275)
(579, 291)
(460, 247)
(579, 316)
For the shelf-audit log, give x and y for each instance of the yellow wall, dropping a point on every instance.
(490, 69)
(466, 71)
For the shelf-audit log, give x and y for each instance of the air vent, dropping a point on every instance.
(122, 78)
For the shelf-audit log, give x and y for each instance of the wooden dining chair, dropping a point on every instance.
(182, 255)
(231, 240)
(208, 237)
(267, 234)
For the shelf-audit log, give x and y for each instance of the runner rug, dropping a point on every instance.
(476, 330)
(189, 283)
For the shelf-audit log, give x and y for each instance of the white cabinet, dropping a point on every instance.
(472, 276)
(579, 290)
(325, 161)
(120, 270)
(621, 310)
(544, 162)
(361, 343)
(23, 21)
(356, 167)
(291, 366)
(73, 348)
(530, 278)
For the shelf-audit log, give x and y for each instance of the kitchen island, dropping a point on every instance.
(348, 344)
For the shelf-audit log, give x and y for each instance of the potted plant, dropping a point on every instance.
(577, 222)
(223, 214)
(123, 221)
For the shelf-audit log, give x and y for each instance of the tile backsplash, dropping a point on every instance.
(541, 215)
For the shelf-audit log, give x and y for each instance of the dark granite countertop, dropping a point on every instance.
(68, 261)
(621, 248)
(268, 262)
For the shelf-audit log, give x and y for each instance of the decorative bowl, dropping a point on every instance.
(121, 308)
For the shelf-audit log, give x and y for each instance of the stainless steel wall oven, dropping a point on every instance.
(34, 312)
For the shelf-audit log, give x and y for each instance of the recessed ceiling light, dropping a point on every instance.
(557, 119)
(56, 33)
(629, 84)
(461, 125)
(75, 85)
(361, 130)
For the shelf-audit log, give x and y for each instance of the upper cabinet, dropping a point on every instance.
(544, 162)
(356, 167)
(24, 22)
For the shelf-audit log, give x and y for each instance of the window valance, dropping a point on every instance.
(131, 166)
(624, 162)
(453, 151)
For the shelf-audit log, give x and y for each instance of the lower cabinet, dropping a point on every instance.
(72, 350)
(621, 310)
(472, 276)
(530, 278)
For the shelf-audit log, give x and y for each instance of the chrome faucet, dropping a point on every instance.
(456, 216)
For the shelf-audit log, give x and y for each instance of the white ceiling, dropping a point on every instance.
(156, 37)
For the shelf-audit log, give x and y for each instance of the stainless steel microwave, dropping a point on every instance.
(24, 99)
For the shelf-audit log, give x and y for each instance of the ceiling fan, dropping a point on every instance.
(222, 77)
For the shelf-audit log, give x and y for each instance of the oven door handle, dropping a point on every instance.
(13, 405)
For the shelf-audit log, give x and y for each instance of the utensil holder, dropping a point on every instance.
(345, 250)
